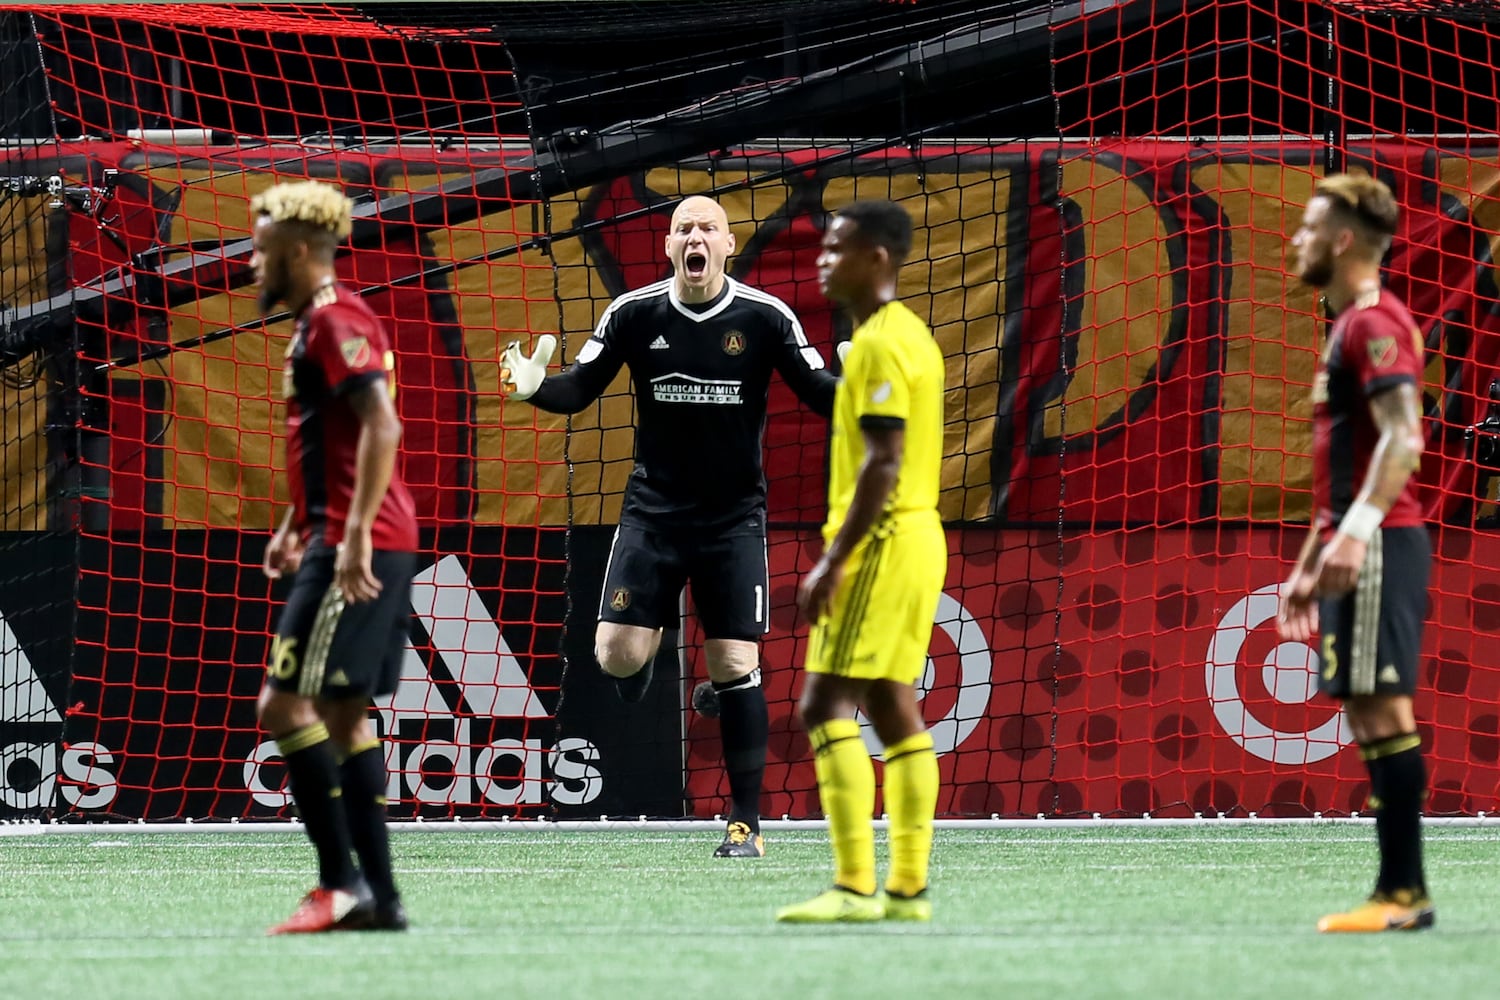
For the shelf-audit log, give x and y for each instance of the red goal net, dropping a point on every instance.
(1102, 194)
(1184, 419)
(162, 488)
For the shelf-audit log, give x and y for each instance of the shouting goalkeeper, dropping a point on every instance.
(701, 347)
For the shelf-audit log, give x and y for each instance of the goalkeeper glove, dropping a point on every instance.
(842, 350)
(526, 374)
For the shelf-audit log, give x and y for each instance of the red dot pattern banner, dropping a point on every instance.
(1140, 672)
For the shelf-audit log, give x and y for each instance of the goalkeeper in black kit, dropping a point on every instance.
(701, 348)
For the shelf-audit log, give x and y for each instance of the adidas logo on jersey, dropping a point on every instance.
(468, 647)
(660, 343)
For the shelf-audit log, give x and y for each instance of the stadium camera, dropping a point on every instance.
(26, 328)
(12, 348)
(1482, 440)
(574, 138)
(30, 186)
(60, 194)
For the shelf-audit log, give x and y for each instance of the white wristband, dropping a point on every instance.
(1361, 521)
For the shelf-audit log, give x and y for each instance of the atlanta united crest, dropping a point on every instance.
(356, 352)
(620, 599)
(734, 343)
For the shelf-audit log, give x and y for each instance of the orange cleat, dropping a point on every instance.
(1405, 911)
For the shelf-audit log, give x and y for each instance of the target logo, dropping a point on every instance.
(1288, 673)
(973, 698)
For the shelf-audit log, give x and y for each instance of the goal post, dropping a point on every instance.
(1102, 196)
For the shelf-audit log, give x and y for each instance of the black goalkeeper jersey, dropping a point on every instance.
(702, 374)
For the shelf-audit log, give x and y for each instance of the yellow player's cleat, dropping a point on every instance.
(836, 906)
(1382, 913)
(917, 908)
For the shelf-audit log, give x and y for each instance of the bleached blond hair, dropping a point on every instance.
(312, 203)
(1365, 201)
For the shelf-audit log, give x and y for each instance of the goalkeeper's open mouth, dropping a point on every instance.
(695, 264)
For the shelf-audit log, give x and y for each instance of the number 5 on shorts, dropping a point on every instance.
(283, 658)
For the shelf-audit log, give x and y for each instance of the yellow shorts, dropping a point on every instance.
(880, 623)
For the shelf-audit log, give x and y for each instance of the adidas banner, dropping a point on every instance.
(173, 631)
(36, 646)
(1088, 674)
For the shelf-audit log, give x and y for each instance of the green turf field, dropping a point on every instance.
(1168, 911)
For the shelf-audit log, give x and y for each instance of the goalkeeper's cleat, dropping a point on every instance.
(916, 908)
(633, 688)
(740, 842)
(389, 916)
(329, 910)
(836, 906)
(1402, 911)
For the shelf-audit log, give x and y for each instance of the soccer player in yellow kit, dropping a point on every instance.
(873, 595)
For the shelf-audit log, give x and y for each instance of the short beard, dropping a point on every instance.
(268, 298)
(1319, 275)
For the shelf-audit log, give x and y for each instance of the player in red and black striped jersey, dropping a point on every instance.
(350, 538)
(1360, 581)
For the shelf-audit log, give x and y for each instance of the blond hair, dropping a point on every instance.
(1364, 200)
(311, 203)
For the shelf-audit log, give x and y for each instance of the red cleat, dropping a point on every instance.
(328, 910)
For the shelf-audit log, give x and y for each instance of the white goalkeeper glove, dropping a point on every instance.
(525, 374)
(842, 350)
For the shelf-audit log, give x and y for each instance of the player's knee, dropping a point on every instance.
(622, 650)
(732, 660)
(813, 710)
(347, 737)
(1378, 717)
(892, 730)
(280, 713)
(619, 659)
(893, 711)
(348, 723)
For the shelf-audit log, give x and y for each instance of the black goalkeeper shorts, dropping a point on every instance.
(728, 575)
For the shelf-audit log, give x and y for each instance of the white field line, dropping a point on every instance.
(180, 840)
(946, 869)
(28, 828)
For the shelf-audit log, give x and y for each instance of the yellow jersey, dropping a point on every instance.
(893, 377)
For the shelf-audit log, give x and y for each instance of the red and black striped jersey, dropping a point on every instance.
(338, 346)
(1370, 349)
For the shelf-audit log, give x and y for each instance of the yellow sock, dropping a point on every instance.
(911, 790)
(846, 785)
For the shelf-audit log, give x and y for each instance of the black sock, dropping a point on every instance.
(364, 802)
(744, 729)
(633, 688)
(313, 775)
(1398, 784)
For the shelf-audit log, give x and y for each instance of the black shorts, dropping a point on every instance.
(730, 582)
(325, 648)
(1371, 639)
